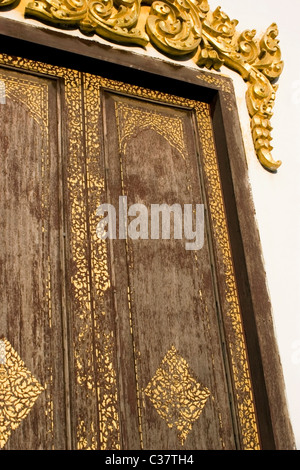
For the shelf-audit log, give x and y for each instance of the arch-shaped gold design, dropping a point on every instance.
(184, 28)
(169, 127)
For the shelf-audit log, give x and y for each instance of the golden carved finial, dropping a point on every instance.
(258, 62)
(185, 28)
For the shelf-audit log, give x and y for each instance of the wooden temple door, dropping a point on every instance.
(124, 343)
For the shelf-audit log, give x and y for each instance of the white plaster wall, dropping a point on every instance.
(276, 196)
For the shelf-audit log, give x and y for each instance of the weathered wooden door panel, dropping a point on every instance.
(31, 370)
(163, 290)
(132, 343)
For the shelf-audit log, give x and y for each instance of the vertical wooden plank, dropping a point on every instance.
(30, 294)
(102, 295)
(94, 388)
(83, 392)
(165, 292)
(232, 315)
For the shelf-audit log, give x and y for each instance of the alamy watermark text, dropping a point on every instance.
(185, 222)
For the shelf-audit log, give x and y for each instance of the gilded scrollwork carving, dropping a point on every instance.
(185, 28)
(115, 20)
(66, 13)
(260, 99)
(174, 26)
(259, 63)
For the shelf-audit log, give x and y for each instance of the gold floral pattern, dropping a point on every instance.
(176, 395)
(19, 390)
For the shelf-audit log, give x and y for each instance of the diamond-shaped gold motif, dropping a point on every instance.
(177, 397)
(18, 390)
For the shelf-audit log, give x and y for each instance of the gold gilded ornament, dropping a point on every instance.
(257, 61)
(182, 28)
(176, 395)
(174, 26)
(18, 390)
(115, 20)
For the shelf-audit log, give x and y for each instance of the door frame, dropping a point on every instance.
(59, 48)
